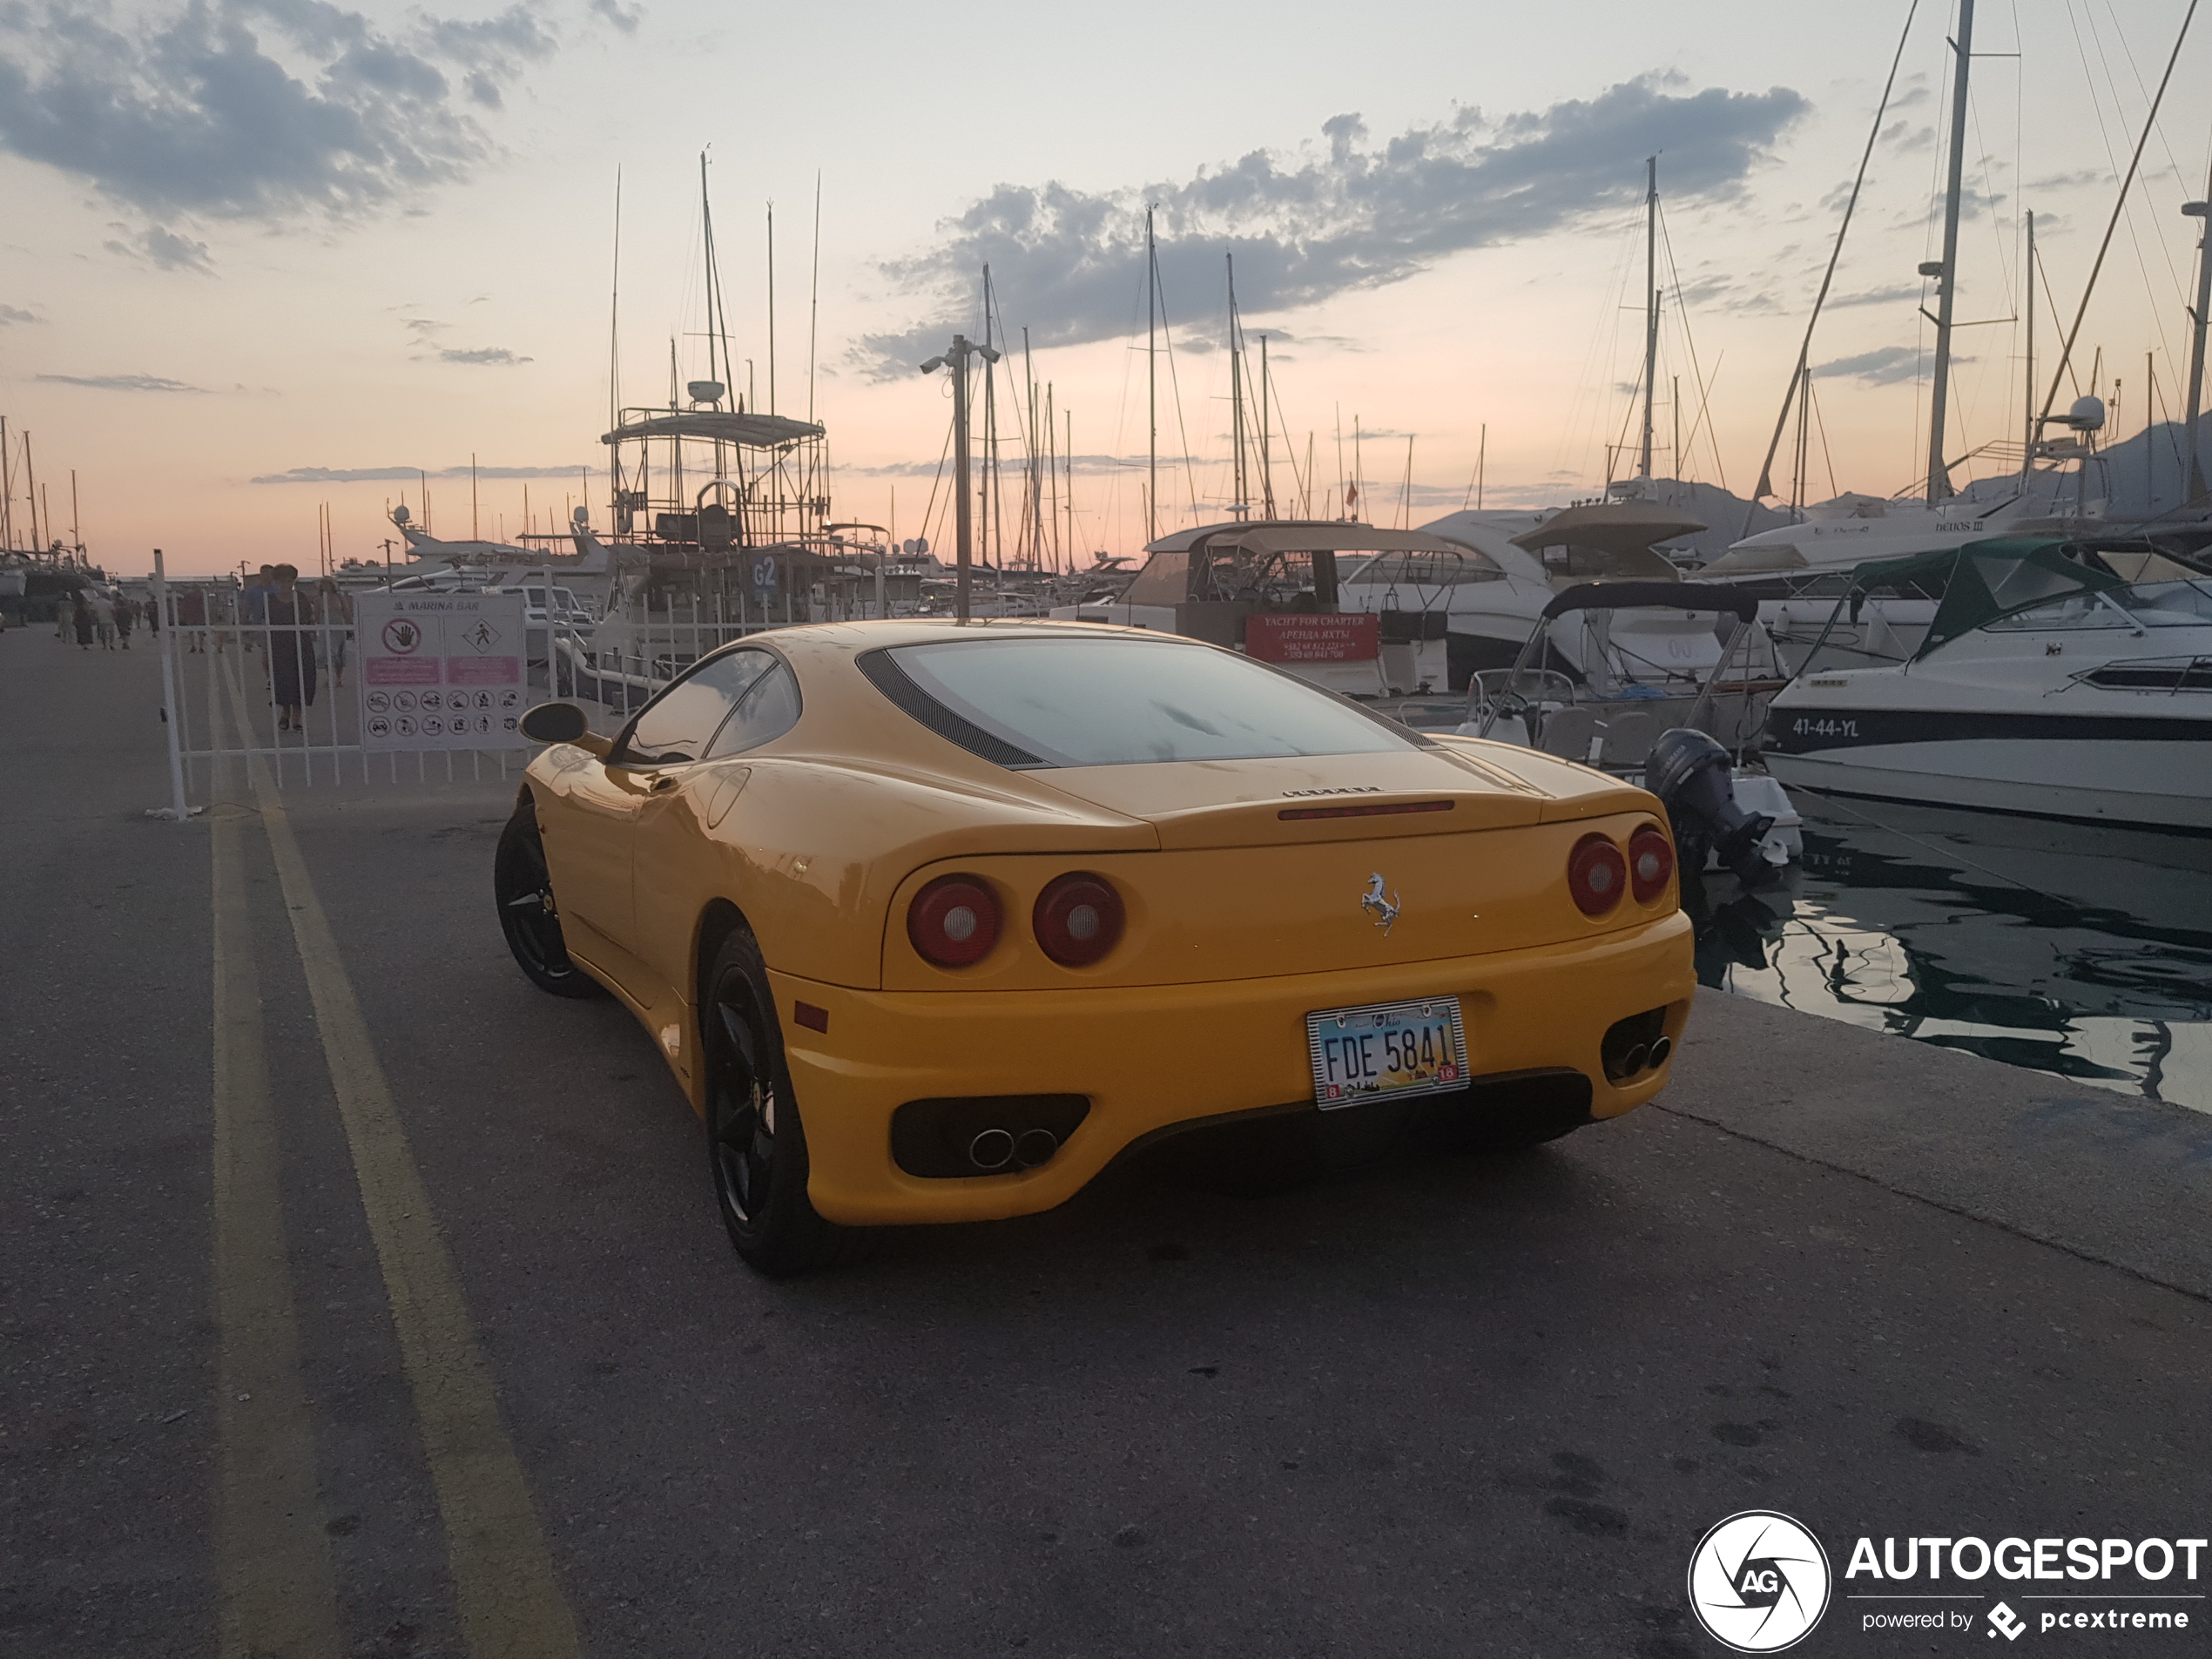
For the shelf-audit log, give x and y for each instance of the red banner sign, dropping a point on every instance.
(1293, 638)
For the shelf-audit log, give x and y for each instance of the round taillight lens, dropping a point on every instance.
(953, 920)
(1596, 875)
(1078, 919)
(1652, 863)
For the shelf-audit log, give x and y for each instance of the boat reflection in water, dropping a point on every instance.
(2082, 950)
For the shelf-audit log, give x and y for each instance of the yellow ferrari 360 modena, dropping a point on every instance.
(931, 922)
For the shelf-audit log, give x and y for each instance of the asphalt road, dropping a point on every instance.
(1443, 1406)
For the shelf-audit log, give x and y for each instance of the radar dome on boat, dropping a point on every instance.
(581, 517)
(399, 514)
(2088, 414)
(705, 391)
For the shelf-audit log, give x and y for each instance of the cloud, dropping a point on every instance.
(1885, 365)
(1314, 223)
(255, 108)
(121, 382)
(407, 474)
(482, 354)
(164, 249)
(2069, 181)
(11, 314)
(1896, 293)
(626, 21)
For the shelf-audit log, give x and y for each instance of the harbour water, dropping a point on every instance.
(2079, 950)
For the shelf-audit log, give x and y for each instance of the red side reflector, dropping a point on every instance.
(1381, 809)
(812, 1018)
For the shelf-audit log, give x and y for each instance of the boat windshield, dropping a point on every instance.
(2154, 605)
(1424, 570)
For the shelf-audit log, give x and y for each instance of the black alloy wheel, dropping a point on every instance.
(523, 886)
(756, 1146)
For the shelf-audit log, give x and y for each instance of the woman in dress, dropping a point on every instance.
(292, 657)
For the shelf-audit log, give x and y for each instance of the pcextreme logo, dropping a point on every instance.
(1758, 1582)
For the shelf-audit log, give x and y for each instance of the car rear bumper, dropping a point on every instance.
(1149, 1058)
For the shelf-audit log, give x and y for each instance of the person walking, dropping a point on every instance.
(192, 615)
(126, 613)
(65, 614)
(254, 604)
(103, 620)
(81, 615)
(290, 615)
(336, 606)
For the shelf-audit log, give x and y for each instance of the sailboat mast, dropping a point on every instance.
(2027, 380)
(771, 307)
(1242, 505)
(1266, 459)
(1152, 382)
(814, 299)
(990, 432)
(1036, 526)
(2193, 486)
(1947, 273)
(1650, 302)
(614, 320)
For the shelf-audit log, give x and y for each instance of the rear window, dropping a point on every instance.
(1087, 701)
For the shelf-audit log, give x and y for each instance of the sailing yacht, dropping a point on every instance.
(2060, 489)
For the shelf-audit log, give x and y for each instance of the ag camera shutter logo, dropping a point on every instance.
(1758, 1583)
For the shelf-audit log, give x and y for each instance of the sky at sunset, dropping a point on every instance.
(264, 255)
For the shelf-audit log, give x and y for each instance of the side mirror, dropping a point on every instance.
(564, 723)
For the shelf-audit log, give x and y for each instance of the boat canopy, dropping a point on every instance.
(753, 431)
(1983, 581)
(1326, 535)
(1609, 527)
(1667, 595)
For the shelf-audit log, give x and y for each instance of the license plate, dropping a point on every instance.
(1387, 1050)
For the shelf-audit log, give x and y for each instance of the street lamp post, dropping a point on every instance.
(956, 360)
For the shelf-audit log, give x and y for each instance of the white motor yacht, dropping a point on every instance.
(1491, 588)
(2057, 679)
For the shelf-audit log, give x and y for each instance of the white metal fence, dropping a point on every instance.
(229, 663)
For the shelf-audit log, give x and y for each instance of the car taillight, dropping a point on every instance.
(953, 920)
(1651, 862)
(1596, 875)
(1078, 919)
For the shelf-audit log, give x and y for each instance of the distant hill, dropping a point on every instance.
(2145, 473)
(2143, 476)
(1728, 518)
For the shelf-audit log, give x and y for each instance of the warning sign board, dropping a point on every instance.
(441, 670)
(1299, 638)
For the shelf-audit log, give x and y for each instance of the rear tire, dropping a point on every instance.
(523, 886)
(756, 1145)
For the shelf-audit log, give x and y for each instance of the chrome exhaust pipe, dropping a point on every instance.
(1659, 1050)
(1633, 1061)
(991, 1150)
(1036, 1146)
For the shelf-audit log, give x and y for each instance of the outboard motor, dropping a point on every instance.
(1689, 770)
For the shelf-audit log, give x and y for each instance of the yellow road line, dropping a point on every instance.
(508, 1596)
(275, 1594)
